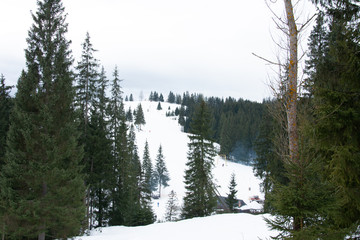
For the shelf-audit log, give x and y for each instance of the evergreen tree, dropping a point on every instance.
(131, 99)
(42, 168)
(100, 157)
(148, 171)
(129, 115)
(87, 80)
(126, 98)
(161, 98)
(86, 101)
(159, 106)
(172, 207)
(161, 174)
(5, 108)
(231, 199)
(334, 85)
(139, 117)
(200, 198)
(171, 98)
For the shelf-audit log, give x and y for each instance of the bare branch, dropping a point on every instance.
(307, 22)
(266, 60)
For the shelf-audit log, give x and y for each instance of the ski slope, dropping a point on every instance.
(166, 131)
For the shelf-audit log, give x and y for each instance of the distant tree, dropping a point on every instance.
(151, 97)
(148, 170)
(126, 98)
(200, 198)
(161, 98)
(155, 97)
(231, 197)
(178, 99)
(41, 180)
(171, 97)
(177, 111)
(141, 96)
(182, 116)
(159, 106)
(172, 207)
(129, 115)
(161, 174)
(139, 117)
(131, 99)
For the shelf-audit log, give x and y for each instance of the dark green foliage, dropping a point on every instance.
(231, 199)
(268, 165)
(42, 188)
(200, 198)
(131, 99)
(87, 80)
(5, 108)
(159, 106)
(161, 174)
(139, 117)
(335, 87)
(129, 115)
(161, 98)
(171, 97)
(235, 124)
(148, 171)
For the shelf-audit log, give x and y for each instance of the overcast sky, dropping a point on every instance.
(200, 46)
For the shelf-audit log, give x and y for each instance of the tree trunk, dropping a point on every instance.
(291, 99)
(292, 83)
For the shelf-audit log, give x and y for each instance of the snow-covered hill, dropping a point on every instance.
(166, 131)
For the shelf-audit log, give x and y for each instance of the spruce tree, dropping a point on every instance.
(334, 85)
(200, 198)
(41, 181)
(86, 100)
(161, 174)
(139, 117)
(231, 199)
(148, 171)
(159, 106)
(5, 108)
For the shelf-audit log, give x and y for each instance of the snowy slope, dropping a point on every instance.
(166, 131)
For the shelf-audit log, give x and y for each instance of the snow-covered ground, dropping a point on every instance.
(166, 131)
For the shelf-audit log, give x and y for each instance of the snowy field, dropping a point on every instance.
(166, 131)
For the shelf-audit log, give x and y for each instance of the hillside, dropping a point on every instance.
(166, 131)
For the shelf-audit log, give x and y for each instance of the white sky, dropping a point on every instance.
(202, 46)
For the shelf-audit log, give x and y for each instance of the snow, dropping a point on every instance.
(166, 131)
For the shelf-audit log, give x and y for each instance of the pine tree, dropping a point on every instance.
(99, 180)
(5, 108)
(171, 97)
(231, 199)
(139, 117)
(87, 80)
(161, 174)
(86, 101)
(161, 98)
(42, 168)
(200, 198)
(334, 85)
(172, 207)
(131, 99)
(148, 171)
(159, 106)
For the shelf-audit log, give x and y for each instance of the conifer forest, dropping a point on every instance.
(70, 162)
